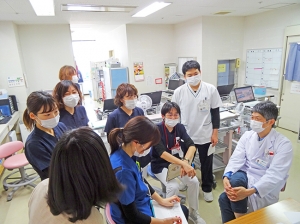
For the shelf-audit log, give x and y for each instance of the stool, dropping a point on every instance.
(163, 191)
(15, 161)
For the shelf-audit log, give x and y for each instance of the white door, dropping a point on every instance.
(290, 102)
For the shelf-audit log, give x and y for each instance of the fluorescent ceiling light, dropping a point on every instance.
(43, 7)
(151, 9)
(95, 8)
(276, 6)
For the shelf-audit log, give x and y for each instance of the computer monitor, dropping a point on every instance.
(109, 106)
(225, 90)
(155, 97)
(244, 94)
(173, 84)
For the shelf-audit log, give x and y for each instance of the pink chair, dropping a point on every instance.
(15, 161)
(107, 215)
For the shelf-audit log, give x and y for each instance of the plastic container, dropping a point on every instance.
(3, 94)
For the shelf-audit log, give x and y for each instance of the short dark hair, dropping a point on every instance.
(139, 128)
(189, 65)
(267, 109)
(80, 175)
(60, 90)
(122, 89)
(168, 106)
(35, 101)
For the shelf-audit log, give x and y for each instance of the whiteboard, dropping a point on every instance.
(263, 66)
(182, 60)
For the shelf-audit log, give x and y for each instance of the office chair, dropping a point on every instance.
(107, 215)
(16, 161)
(108, 107)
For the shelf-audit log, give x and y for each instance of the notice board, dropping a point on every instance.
(263, 66)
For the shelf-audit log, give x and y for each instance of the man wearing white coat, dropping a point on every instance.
(259, 166)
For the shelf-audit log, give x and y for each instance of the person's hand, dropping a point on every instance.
(188, 170)
(182, 172)
(172, 220)
(169, 202)
(227, 185)
(214, 139)
(239, 194)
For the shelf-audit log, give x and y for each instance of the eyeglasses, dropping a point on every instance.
(172, 115)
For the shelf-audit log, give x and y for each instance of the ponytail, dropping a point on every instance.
(115, 138)
(28, 122)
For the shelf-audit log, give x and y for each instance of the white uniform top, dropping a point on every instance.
(39, 211)
(266, 162)
(195, 110)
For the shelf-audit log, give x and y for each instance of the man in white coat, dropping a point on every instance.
(259, 166)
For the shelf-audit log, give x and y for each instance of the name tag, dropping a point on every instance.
(261, 162)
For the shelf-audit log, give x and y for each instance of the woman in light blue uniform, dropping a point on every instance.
(134, 205)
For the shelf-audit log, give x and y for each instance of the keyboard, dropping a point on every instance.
(169, 92)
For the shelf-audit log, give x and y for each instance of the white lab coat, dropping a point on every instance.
(268, 178)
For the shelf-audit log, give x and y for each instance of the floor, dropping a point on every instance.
(16, 211)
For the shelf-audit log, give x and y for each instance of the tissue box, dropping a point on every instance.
(260, 90)
(3, 94)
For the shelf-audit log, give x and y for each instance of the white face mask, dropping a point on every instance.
(146, 152)
(256, 126)
(49, 123)
(194, 80)
(130, 104)
(74, 79)
(71, 100)
(171, 122)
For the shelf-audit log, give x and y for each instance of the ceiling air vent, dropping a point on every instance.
(222, 13)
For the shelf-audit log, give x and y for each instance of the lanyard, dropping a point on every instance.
(166, 137)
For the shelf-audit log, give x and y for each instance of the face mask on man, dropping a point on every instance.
(74, 79)
(194, 80)
(146, 152)
(130, 104)
(257, 126)
(49, 123)
(171, 122)
(71, 100)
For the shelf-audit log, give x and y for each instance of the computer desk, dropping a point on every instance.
(5, 129)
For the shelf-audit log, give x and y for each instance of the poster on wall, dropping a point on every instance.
(138, 69)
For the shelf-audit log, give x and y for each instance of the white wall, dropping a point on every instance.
(266, 30)
(11, 62)
(154, 46)
(45, 49)
(117, 41)
(222, 38)
(188, 40)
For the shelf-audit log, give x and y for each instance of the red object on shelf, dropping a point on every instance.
(103, 91)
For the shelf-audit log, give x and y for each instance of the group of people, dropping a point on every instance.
(78, 174)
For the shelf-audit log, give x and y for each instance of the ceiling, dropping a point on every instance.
(21, 12)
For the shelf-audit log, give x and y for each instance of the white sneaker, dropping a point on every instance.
(195, 217)
(182, 187)
(208, 196)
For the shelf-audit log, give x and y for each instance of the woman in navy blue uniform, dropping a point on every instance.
(125, 99)
(42, 117)
(176, 147)
(68, 98)
(134, 205)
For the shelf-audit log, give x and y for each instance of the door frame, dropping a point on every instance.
(289, 32)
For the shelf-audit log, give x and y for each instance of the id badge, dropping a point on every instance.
(261, 162)
(203, 106)
(176, 150)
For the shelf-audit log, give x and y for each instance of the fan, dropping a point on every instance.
(144, 102)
